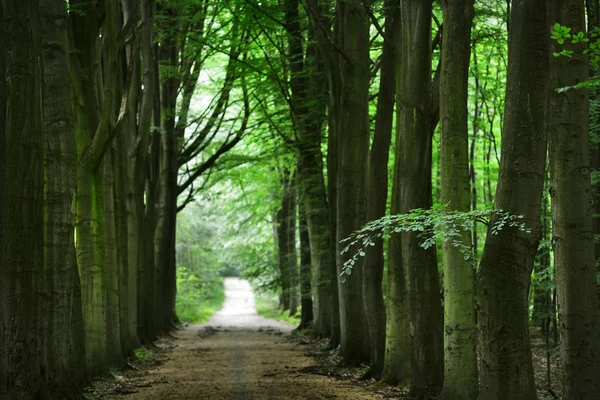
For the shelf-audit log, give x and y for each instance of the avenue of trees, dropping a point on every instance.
(454, 128)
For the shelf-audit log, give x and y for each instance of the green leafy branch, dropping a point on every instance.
(590, 44)
(431, 225)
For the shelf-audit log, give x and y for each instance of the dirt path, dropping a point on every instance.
(236, 355)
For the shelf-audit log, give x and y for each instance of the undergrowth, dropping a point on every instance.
(267, 305)
(198, 299)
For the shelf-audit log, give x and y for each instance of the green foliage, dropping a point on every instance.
(267, 305)
(198, 298)
(588, 44)
(142, 354)
(431, 225)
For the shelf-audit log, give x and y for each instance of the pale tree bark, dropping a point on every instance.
(572, 229)
(22, 281)
(460, 330)
(63, 328)
(352, 31)
(420, 265)
(504, 274)
(378, 192)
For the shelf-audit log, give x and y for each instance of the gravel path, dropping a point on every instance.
(236, 355)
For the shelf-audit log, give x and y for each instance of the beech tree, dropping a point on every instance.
(505, 270)
(22, 283)
(460, 331)
(570, 191)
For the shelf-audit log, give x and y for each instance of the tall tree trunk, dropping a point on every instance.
(94, 66)
(287, 257)
(593, 21)
(572, 229)
(377, 194)
(90, 259)
(22, 366)
(64, 335)
(460, 330)
(308, 84)
(139, 163)
(420, 265)
(129, 340)
(167, 207)
(306, 302)
(332, 197)
(292, 250)
(397, 338)
(353, 143)
(111, 266)
(505, 271)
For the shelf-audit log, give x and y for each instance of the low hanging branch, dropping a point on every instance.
(431, 225)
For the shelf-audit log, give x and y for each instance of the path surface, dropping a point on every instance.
(237, 355)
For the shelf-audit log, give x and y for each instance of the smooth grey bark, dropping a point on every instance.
(63, 327)
(377, 194)
(397, 365)
(307, 83)
(306, 301)
(22, 283)
(113, 323)
(572, 210)
(460, 329)
(352, 30)
(286, 242)
(505, 270)
(322, 30)
(167, 207)
(420, 265)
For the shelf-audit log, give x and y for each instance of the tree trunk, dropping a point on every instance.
(139, 174)
(425, 318)
(460, 330)
(111, 266)
(377, 195)
(397, 338)
(167, 207)
(353, 144)
(64, 335)
(90, 259)
(308, 102)
(286, 249)
(306, 302)
(572, 229)
(22, 366)
(505, 271)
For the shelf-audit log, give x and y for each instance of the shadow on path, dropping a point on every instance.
(236, 355)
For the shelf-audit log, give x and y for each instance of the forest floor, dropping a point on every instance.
(239, 355)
